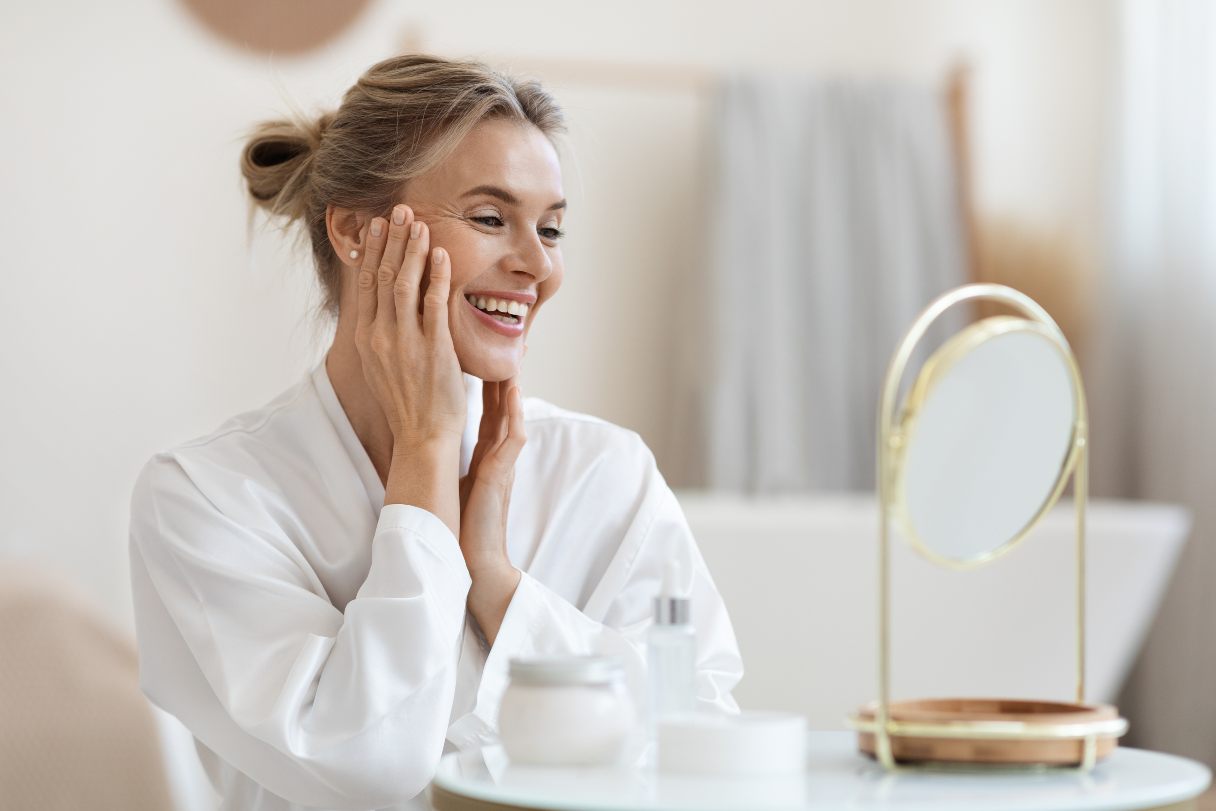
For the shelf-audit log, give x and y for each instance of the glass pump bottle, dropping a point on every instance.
(671, 651)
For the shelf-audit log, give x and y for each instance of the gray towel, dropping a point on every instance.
(835, 220)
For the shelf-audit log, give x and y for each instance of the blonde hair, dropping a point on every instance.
(401, 118)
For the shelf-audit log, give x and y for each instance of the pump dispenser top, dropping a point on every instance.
(672, 606)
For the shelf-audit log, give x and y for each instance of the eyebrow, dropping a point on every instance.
(505, 196)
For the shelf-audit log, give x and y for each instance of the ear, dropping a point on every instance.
(347, 229)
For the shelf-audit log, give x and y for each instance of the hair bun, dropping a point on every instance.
(275, 164)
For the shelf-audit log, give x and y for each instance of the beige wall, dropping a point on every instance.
(136, 315)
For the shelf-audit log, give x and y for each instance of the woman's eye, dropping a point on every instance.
(492, 221)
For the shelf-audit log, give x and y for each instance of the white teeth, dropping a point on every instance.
(491, 305)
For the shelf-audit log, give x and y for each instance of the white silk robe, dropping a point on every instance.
(316, 642)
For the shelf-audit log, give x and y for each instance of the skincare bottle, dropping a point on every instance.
(671, 651)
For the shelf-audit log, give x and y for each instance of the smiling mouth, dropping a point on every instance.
(502, 310)
(504, 319)
(507, 325)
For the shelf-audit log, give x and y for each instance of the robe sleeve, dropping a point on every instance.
(619, 611)
(237, 638)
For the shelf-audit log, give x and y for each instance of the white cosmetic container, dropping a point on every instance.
(671, 652)
(566, 711)
(750, 744)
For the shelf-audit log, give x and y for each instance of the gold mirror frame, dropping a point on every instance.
(890, 446)
(932, 373)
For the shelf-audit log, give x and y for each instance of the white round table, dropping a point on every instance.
(837, 777)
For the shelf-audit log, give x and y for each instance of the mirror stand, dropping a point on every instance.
(917, 497)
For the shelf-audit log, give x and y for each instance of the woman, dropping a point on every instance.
(328, 590)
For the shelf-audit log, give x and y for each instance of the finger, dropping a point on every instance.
(390, 262)
(492, 426)
(435, 303)
(503, 407)
(490, 433)
(483, 443)
(513, 439)
(515, 412)
(513, 443)
(374, 248)
(409, 275)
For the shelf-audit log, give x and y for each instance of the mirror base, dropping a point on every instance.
(993, 732)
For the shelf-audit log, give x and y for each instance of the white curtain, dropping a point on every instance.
(1153, 387)
(833, 220)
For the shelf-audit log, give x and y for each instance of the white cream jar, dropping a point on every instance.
(565, 711)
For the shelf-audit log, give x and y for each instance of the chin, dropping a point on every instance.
(490, 370)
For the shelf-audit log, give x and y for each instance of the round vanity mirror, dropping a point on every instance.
(991, 430)
(985, 440)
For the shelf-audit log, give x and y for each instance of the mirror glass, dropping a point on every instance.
(987, 430)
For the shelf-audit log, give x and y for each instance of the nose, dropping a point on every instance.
(531, 256)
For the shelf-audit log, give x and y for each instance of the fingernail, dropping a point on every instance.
(440, 255)
(377, 227)
(399, 215)
(415, 230)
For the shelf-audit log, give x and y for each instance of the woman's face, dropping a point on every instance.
(496, 205)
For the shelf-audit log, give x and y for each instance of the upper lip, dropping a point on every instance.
(509, 295)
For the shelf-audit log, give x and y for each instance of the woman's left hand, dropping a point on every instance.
(485, 494)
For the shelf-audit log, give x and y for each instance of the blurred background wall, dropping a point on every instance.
(138, 314)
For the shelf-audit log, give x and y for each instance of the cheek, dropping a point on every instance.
(549, 287)
(468, 254)
(466, 266)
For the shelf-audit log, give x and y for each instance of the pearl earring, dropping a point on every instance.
(354, 254)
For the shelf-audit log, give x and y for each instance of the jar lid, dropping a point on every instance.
(565, 670)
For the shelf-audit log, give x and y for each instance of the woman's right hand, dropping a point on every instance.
(408, 358)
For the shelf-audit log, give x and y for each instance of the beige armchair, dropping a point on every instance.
(75, 730)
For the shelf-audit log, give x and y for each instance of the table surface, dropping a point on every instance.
(837, 777)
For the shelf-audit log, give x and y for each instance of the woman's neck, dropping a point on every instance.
(345, 371)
